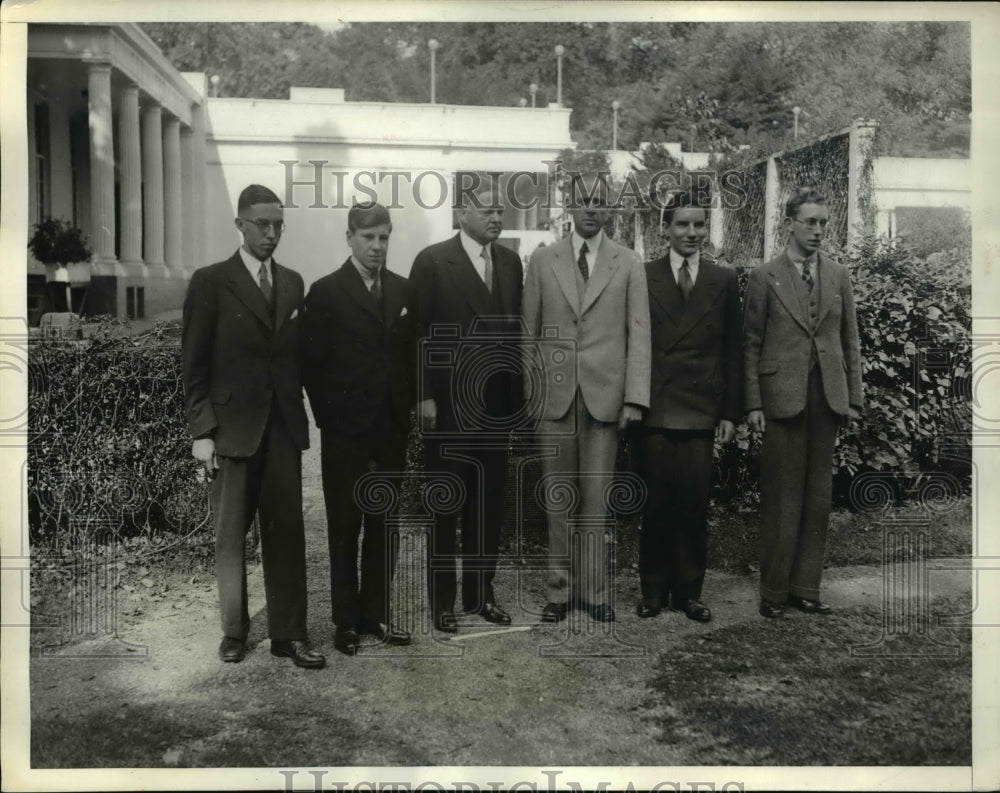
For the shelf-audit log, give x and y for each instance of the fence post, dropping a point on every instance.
(770, 206)
(861, 187)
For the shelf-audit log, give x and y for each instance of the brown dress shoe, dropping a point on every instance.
(300, 652)
(232, 651)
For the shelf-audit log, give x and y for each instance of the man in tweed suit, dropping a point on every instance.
(803, 380)
(585, 303)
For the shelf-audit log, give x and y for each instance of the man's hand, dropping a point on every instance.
(852, 416)
(203, 450)
(725, 431)
(427, 414)
(755, 418)
(630, 415)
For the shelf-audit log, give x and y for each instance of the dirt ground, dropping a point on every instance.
(578, 693)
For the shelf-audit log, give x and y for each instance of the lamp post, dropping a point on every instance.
(432, 45)
(533, 88)
(560, 49)
(614, 125)
(795, 112)
(215, 80)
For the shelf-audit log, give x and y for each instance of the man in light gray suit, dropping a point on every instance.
(585, 304)
(803, 380)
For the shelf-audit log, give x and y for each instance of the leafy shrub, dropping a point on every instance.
(108, 447)
(56, 241)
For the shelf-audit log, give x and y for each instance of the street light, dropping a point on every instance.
(215, 80)
(560, 49)
(614, 125)
(432, 45)
(533, 88)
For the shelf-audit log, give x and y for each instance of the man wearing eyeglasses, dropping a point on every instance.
(243, 394)
(803, 380)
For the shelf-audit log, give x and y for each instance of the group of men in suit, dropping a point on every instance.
(586, 346)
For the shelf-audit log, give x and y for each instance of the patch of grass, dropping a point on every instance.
(790, 692)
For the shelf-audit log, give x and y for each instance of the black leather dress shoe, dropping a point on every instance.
(300, 652)
(232, 651)
(346, 640)
(554, 612)
(809, 606)
(446, 622)
(696, 610)
(491, 612)
(601, 612)
(386, 633)
(771, 609)
(648, 608)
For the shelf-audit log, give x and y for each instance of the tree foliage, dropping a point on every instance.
(715, 86)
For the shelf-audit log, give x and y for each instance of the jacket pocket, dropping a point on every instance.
(767, 366)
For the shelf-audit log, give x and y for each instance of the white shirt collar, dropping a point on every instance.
(593, 245)
(366, 275)
(474, 251)
(677, 261)
(797, 259)
(252, 263)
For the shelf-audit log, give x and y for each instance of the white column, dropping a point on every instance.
(861, 185)
(172, 232)
(152, 186)
(198, 154)
(131, 179)
(770, 207)
(102, 164)
(187, 203)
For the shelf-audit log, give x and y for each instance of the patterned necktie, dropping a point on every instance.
(487, 269)
(265, 284)
(807, 273)
(581, 262)
(685, 283)
(377, 288)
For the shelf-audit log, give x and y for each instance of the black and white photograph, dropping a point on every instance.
(478, 396)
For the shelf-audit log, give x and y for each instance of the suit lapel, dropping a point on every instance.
(663, 288)
(700, 301)
(246, 290)
(358, 292)
(564, 269)
(827, 288)
(780, 276)
(464, 274)
(284, 295)
(607, 263)
(394, 297)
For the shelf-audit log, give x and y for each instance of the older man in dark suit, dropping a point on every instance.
(467, 297)
(358, 372)
(240, 360)
(695, 400)
(803, 380)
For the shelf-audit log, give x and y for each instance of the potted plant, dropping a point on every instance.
(58, 242)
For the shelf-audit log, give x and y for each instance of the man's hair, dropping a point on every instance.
(586, 185)
(366, 215)
(255, 194)
(477, 189)
(681, 200)
(805, 195)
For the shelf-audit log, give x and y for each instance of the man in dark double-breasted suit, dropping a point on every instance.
(695, 399)
(803, 380)
(467, 300)
(358, 371)
(243, 393)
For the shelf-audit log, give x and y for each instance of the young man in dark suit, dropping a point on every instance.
(803, 380)
(695, 401)
(467, 300)
(357, 359)
(242, 389)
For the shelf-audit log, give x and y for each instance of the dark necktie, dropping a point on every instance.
(685, 283)
(807, 276)
(581, 262)
(487, 268)
(265, 284)
(377, 288)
